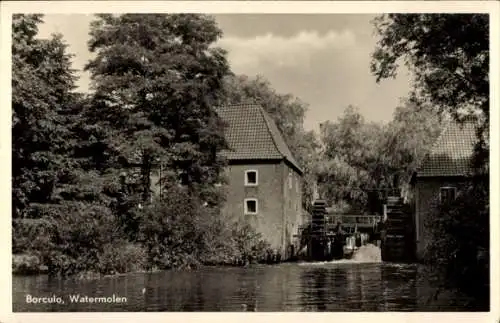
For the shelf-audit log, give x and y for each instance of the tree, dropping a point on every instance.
(361, 157)
(42, 81)
(156, 78)
(60, 180)
(73, 211)
(449, 56)
(409, 137)
(353, 158)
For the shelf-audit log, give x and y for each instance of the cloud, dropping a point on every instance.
(282, 52)
(323, 60)
(329, 71)
(75, 29)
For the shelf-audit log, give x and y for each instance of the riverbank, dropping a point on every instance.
(27, 265)
(31, 265)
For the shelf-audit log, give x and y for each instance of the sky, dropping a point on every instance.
(323, 59)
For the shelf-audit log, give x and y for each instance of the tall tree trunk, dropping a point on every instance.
(146, 177)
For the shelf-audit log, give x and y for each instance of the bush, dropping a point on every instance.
(215, 244)
(458, 252)
(167, 231)
(30, 234)
(180, 232)
(25, 264)
(121, 257)
(76, 237)
(79, 233)
(249, 244)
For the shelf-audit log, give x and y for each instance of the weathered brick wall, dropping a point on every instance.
(279, 204)
(268, 192)
(426, 198)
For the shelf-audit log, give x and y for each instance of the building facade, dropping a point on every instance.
(442, 174)
(264, 185)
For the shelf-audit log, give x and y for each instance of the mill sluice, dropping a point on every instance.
(332, 236)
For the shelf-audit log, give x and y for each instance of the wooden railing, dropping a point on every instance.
(347, 220)
(359, 219)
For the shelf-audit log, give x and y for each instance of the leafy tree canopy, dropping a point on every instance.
(42, 84)
(156, 78)
(359, 157)
(449, 56)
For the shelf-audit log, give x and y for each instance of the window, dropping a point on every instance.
(447, 194)
(251, 206)
(290, 180)
(251, 178)
(297, 186)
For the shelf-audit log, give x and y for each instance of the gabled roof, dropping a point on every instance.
(253, 135)
(452, 152)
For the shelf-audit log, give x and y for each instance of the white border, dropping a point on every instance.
(84, 7)
(320, 7)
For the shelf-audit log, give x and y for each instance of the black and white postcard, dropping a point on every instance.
(250, 157)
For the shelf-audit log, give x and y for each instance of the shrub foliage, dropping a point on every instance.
(72, 210)
(458, 252)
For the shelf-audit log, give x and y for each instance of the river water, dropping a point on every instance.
(361, 284)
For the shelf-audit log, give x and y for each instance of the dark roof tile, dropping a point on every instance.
(252, 134)
(452, 152)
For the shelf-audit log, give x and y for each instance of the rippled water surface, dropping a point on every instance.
(361, 284)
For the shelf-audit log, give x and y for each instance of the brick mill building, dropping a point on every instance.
(442, 174)
(264, 179)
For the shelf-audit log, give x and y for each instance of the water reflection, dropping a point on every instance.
(314, 282)
(353, 287)
(399, 280)
(288, 287)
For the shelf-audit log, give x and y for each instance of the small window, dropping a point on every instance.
(447, 195)
(290, 180)
(297, 185)
(251, 178)
(251, 206)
